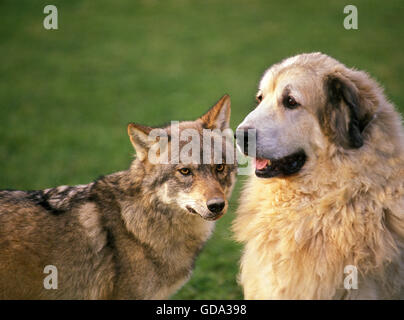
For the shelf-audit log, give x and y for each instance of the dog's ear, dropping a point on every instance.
(343, 118)
(218, 117)
(139, 136)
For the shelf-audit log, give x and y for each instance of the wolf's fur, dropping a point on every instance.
(345, 206)
(124, 236)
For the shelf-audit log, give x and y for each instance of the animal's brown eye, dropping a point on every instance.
(220, 167)
(185, 171)
(290, 102)
(259, 98)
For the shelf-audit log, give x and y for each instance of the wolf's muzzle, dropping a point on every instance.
(216, 205)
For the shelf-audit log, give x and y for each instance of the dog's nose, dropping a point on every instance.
(242, 136)
(241, 133)
(216, 205)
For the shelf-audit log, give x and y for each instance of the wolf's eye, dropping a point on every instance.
(259, 98)
(290, 102)
(185, 171)
(220, 167)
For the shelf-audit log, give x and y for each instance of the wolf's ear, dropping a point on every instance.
(139, 136)
(343, 118)
(218, 117)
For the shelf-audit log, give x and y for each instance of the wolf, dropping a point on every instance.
(322, 214)
(133, 234)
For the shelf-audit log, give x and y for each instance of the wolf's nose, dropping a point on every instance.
(215, 205)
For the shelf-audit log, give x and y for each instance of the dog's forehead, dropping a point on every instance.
(270, 75)
(266, 82)
(306, 68)
(291, 76)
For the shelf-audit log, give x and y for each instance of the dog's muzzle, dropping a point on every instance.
(281, 167)
(246, 141)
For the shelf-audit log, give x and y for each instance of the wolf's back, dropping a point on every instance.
(41, 230)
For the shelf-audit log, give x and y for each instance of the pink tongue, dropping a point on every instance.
(260, 163)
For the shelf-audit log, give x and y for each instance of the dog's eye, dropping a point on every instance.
(220, 167)
(185, 171)
(259, 98)
(290, 102)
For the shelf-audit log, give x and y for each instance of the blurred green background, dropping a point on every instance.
(67, 95)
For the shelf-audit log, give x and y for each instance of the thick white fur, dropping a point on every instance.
(346, 207)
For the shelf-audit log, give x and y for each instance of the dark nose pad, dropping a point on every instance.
(216, 205)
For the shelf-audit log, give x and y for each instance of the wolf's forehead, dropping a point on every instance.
(185, 132)
(207, 148)
(178, 126)
(191, 142)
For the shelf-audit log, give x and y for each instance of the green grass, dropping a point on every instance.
(67, 95)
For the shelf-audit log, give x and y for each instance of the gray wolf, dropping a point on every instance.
(133, 234)
(328, 188)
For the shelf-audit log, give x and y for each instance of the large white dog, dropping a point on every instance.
(328, 190)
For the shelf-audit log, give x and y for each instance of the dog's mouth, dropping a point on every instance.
(209, 217)
(283, 167)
